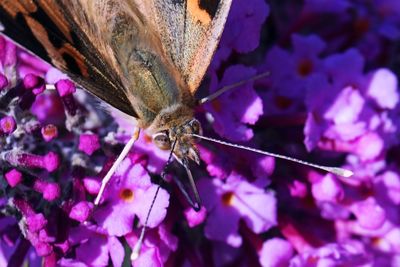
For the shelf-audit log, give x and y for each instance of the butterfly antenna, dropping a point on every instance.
(136, 249)
(335, 170)
(232, 86)
(121, 156)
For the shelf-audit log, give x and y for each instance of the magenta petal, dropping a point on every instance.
(276, 252)
(369, 214)
(369, 146)
(327, 188)
(159, 211)
(94, 252)
(89, 143)
(235, 109)
(195, 218)
(116, 249)
(383, 88)
(257, 207)
(148, 257)
(13, 177)
(223, 225)
(117, 219)
(70, 263)
(81, 211)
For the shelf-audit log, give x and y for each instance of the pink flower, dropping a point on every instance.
(130, 194)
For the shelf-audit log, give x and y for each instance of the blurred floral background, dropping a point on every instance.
(331, 98)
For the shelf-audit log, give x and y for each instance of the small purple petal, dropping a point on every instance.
(327, 188)
(31, 81)
(116, 251)
(65, 87)
(369, 146)
(298, 189)
(89, 143)
(52, 191)
(36, 222)
(369, 214)
(92, 185)
(195, 218)
(276, 252)
(81, 211)
(51, 161)
(13, 177)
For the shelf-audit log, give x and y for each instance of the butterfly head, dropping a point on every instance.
(185, 146)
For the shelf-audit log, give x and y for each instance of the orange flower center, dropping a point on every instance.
(50, 130)
(127, 195)
(305, 67)
(227, 198)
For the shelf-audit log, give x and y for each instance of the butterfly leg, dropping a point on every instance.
(121, 156)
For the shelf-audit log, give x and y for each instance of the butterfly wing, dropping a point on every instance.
(190, 31)
(61, 33)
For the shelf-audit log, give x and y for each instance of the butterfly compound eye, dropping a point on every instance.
(162, 141)
(196, 127)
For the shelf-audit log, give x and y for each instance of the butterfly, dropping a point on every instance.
(144, 57)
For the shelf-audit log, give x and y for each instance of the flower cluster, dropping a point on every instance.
(331, 97)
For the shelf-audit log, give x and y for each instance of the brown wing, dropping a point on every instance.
(190, 31)
(64, 34)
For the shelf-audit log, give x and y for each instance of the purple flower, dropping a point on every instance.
(233, 111)
(332, 89)
(228, 202)
(244, 23)
(130, 194)
(350, 254)
(95, 247)
(343, 111)
(290, 72)
(157, 246)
